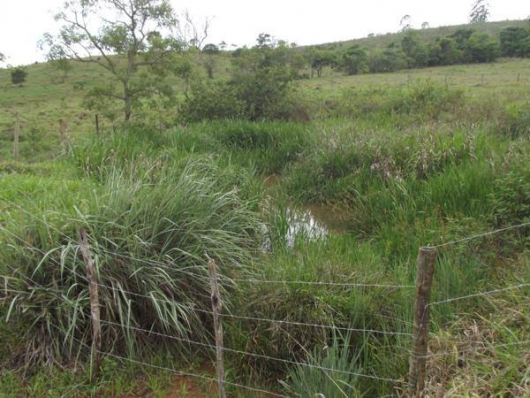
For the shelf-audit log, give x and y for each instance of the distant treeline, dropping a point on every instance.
(464, 46)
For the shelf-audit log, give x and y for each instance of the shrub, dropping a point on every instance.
(212, 100)
(18, 76)
(514, 121)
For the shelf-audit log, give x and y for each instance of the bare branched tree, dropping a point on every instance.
(192, 32)
(479, 12)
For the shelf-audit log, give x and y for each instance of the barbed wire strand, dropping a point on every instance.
(258, 319)
(252, 354)
(164, 265)
(191, 308)
(181, 373)
(318, 283)
(475, 349)
(480, 294)
(182, 271)
(483, 235)
(178, 372)
(235, 280)
(293, 323)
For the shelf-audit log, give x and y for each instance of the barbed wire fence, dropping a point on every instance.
(419, 354)
(425, 276)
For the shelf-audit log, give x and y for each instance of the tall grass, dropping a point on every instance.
(150, 240)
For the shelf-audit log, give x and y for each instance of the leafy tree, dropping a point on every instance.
(263, 76)
(18, 75)
(211, 100)
(461, 37)
(260, 86)
(479, 12)
(265, 40)
(62, 65)
(210, 49)
(444, 51)
(514, 42)
(354, 60)
(481, 47)
(425, 25)
(209, 61)
(414, 49)
(2, 57)
(388, 60)
(318, 59)
(137, 38)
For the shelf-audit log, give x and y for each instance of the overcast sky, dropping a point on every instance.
(22, 22)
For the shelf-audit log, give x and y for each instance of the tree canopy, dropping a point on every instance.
(122, 37)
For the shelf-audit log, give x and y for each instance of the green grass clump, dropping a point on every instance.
(266, 146)
(311, 381)
(150, 240)
(421, 101)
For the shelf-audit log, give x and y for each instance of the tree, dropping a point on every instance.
(208, 58)
(193, 33)
(318, 59)
(210, 49)
(414, 49)
(262, 78)
(18, 75)
(481, 47)
(126, 38)
(2, 57)
(64, 66)
(444, 51)
(479, 12)
(514, 42)
(390, 59)
(354, 60)
(405, 23)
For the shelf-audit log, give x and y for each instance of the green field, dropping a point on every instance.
(382, 165)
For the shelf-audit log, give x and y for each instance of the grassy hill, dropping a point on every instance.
(381, 40)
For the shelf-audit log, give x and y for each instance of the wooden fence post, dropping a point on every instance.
(97, 124)
(94, 302)
(418, 359)
(16, 138)
(218, 325)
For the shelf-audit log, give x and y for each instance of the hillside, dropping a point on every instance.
(381, 40)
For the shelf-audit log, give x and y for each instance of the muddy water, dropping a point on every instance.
(311, 222)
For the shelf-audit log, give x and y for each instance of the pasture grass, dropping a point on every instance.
(404, 165)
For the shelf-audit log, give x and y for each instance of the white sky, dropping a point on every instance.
(22, 22)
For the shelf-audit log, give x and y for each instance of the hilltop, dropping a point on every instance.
(381, 40)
